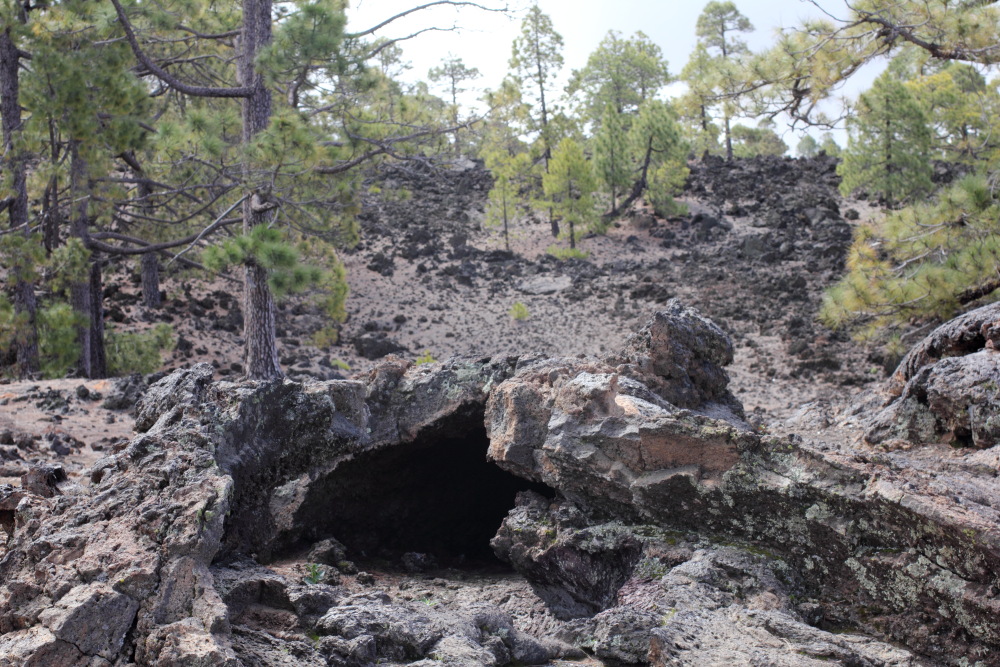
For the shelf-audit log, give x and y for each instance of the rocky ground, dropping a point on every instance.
(344, 552)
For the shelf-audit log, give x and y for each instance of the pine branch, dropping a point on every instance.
(166, 77)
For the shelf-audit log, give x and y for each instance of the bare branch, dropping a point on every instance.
(220, 221)
(453, 3)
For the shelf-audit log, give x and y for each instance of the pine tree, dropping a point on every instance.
(612, 158)
(510, 175)
(536, 59)
(659, 157)
(696, 105)
(920, 264)
(961, 110)
(807, 147)
(453, 73)
(621, 72)
(569, 189)
(717, 29)
(311, 111)
(754, 141)
(888, 149)
(15, 199)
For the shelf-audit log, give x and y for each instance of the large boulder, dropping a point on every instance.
(947, 388)
(883, 547)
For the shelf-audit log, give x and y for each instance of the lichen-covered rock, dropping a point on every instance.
(599, 437)
(946, 389)
(404, 399)
(885, 549)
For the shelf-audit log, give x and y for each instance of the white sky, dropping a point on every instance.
(484, 40)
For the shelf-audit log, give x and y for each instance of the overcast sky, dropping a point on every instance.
(485, 39)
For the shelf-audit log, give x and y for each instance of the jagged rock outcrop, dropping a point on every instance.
(885, 548)
(947, 388)
(681, 356)
(658, 532)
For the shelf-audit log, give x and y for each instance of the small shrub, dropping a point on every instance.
(314, 574)
(425, 358)
(138, 352)
(519, 311)
(325, 337)
(566, 253)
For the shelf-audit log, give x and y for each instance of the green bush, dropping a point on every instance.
(566, 253)
(58, 345)
(425, 358)
(519, 311)
(138, 352)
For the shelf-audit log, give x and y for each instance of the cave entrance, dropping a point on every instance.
(437, 495)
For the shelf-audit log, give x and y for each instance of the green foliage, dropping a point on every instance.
(315, 574)
(807, 147)
(9, 325)
(961, 111)
(665, 180)
(922, 263)
(518, 311)
(569, 189)
(661, 154)
(535, 62)
(325, 337)
(612, 156)
(716, 73)
(716, 23)
(754, 141)
(829, 145)
(888, 149)
(425, 358)
(622, 73)
(22, 255)
(563, 254)
(57, 339)
(511, 174)
(265, 247)
(139, 351)
(68, 264)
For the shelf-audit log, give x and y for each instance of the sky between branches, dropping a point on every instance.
(484, 40)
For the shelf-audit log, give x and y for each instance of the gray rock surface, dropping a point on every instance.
(658, 532)
(947, 388)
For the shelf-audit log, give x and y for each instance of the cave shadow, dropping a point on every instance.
(438, 495)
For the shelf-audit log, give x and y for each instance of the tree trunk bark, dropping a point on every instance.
(261, 351)
(97, 353)
(729, 142)
(86, 293)
(25, 304)
(151, 280)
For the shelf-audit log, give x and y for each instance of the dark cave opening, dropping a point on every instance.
(438, 495)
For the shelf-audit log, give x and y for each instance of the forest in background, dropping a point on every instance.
(235, 139)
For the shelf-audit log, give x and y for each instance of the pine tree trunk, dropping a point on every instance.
(51, 216)
(85, 292)
(150, 267)
(258, 303)
(25, 304)
(97, 353)
(729, 142)
(506, 233)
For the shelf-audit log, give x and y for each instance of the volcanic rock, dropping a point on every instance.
(947, 388)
